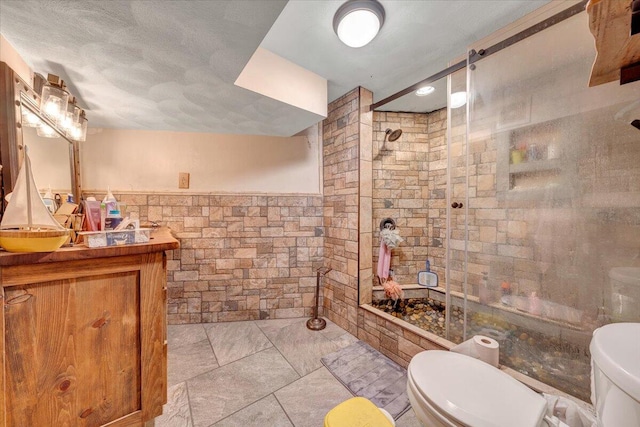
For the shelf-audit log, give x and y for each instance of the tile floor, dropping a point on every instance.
(264, 373)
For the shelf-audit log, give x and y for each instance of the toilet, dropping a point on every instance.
(615, 374)
(448, 389)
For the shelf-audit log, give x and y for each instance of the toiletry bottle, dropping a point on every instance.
(535, 305)
(103, 215)
(112, 220)
(428, 266)
(506, 293)
(483, 291)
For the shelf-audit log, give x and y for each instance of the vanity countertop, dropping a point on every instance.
(161, 240)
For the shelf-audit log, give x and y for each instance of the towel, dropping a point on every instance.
(384, 261)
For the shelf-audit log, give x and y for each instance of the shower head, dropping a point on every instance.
(392, 135)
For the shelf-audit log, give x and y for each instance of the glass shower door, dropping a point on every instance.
(456, 208)
(553, 197)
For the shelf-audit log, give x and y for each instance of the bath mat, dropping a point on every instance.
(368, 373)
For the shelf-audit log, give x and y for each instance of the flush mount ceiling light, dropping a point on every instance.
(357, 22)
(458, 99)
(425, 90)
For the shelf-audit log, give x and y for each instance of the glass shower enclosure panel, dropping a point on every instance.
(552, 220)
(456, 207)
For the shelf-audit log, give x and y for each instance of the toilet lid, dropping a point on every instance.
(473, 392)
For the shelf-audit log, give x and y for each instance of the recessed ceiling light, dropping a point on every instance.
(425, 90)
(357, 22)
(458, 99)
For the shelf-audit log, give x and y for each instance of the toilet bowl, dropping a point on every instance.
(448, 389)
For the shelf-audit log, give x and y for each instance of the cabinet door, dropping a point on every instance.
(73, 350)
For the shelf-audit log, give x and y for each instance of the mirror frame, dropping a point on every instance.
(12, 91)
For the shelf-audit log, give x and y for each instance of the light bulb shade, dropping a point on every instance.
(53, 102)
(78, 130)
(357, 22)
(29, 118)
(71, 116)
(46, 131)
(458, 99)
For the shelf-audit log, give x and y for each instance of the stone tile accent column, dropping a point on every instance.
(341, 153)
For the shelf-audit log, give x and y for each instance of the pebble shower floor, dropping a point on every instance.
(547, 359)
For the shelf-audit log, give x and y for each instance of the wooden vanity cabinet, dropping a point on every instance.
(84, 335)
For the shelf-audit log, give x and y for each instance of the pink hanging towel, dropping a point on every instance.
(384, 262)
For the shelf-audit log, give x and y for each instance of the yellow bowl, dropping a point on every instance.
(33, 241)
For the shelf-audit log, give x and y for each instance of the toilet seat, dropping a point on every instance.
(468, 392)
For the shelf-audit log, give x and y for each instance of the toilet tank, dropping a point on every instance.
(615, 376)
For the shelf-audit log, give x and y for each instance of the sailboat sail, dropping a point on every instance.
(26, 210)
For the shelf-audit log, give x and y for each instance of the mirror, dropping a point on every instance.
(51, 157)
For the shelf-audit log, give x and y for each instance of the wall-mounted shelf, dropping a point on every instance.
(535, 166)
(531, 164)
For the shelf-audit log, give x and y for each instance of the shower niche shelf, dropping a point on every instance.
(531, 163)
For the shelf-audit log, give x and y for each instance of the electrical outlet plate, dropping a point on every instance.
(183, 180)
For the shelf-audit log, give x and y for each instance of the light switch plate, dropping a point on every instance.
(183, 180)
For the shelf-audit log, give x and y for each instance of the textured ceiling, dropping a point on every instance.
(171, 64)
(155, 64)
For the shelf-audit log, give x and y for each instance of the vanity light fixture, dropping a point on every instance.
(78, 130)
(29, 119)
(425, 90)
(357, 22)
(458, 99)
(70, 115)
(59, 107)
(54, 99)
(46, 131)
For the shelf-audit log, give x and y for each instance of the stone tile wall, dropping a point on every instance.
(348, 230)
(341, 145)
(241, 257)
(398, 343)
(409, 185)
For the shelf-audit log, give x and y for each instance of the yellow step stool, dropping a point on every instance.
(358, 412)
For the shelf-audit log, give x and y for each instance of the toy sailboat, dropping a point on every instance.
(27, 225)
